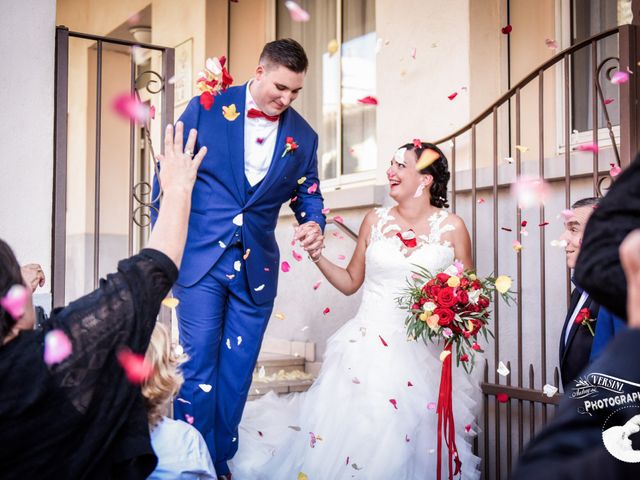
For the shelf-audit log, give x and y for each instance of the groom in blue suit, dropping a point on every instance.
(265, 156)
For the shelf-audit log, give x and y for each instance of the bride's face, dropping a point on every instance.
(405, 181)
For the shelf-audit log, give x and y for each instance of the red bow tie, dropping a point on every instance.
(255, 113)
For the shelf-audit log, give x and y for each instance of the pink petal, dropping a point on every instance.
(294, 199)
(57, 347)
(317, 284)
(368, 100)
(481, 201)
(588, 147)
(551, 44)
(325, 211)
(15, 301)
(467, 427)
(413, 53)
(567, 214)
(530, 192)
(619, 77)
(615, 170)
(134, 365)
(188, 418)
(338, 219)
(431, 405)
(341, 257)
(152, 112)
(326, 310)
(128, 106)
(296, 12)
(383, 341)
(285, 267)
(312, 189)
(608, 101)
(296, 256)
(452, 96)
(394, 403)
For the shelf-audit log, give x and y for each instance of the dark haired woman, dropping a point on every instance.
(371, 412)
(80, 418)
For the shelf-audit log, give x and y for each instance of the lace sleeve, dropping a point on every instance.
(120, 313)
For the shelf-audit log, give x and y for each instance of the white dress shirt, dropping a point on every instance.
(259, 142)
(181, 451)
(581, 302)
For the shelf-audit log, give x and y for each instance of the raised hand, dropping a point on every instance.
(33, 276)
(178, 167)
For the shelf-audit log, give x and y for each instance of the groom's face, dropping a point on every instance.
(573, 231)
(276, 87)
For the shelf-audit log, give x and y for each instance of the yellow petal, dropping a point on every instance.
(279, 316)
(427, 158)
(246, 254)
(472, 276)
(522, 148)
(332, 46)
(470, 326)
(503, 283)
(301, 180)
(170, 302)
(444, 354)
(453, 282)
(302, 476)
(423, 317)
(230, 112)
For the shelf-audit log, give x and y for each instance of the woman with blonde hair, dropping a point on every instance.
(181, 450)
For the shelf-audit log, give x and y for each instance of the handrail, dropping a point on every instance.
(534, 73)
(341, 226)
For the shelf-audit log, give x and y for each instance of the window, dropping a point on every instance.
(347, 150)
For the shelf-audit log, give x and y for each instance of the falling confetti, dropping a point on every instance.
(205, 387)
(588, 147)
(506, 29)
(567, 214)
(228, 343)
(259, 288)
(427, 157)
(325, 211)
(355, 380)
(619, 77)
(467, 427)
(481, 201)
(317, 284)
(517, 246)
(522, 148)
(57, 347)
(506, 229)
(302, 476)
(15, 300)
(301, 180)
(368, 100)
(246, 254)
(262, 373)
(312, 440)
(231, 277)
(549, 390)
(182, 400)
(131, 108)
(188, 418)
(222, 244)
(279, 316)
(431, 405)
(237, 265)
(502, 369)
(341, 257)
(285, 267)
(297, 257)
(338, 219)
(502, 397)
(238, 220)
(326, 311)
(239, 340)
(313, 188)
(530, 192)
(413, 53)
(608, 101)
(543, 224)
(452, 96)
(394, 402)
(229, 112)
(615, 170)
(558, 243)
(383, 341)
(551, 44)
(296, 12)
(135, 367)
(406, 438)
(171, 302)
(332, 47)
(409, 384)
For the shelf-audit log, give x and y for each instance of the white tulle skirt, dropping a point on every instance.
(369, 415)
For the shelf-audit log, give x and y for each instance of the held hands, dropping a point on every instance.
(179, 167)
(310, 236)
(33, 276)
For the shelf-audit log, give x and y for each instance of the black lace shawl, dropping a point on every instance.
(82, 418)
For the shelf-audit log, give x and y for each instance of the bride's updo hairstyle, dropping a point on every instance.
(439, 170)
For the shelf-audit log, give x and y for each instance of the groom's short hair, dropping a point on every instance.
(286, 52)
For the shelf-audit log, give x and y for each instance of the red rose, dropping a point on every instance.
(206, 100)
(434, 291)
(446, 298)
(476, 285)
(442, 277)
(583, 315)
(483, 302)
(464, 282)
(462, 297)
(464, 358)
(466, 334)
(445, 316)
(415, 306)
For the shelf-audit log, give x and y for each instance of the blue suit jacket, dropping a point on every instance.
(220, 193)
(607, 327)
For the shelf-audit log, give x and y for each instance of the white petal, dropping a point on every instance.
(260, 288)
(502, 369)
(237, 265)
(239, 340)
(222, 244)
(205, 387)
(228, 344)
(237, 220)
(549, 390)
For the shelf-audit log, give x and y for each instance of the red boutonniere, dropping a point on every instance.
(584, 318)
(291, 146)
(408, 238)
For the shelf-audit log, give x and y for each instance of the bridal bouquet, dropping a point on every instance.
(452, 307)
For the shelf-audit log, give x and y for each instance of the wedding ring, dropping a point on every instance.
(188, 152)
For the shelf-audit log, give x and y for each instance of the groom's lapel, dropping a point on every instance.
(235, 134)
(278, 163)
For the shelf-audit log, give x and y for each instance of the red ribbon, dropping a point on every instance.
(446, 424)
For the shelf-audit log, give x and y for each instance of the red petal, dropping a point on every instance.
(326, 310)
(417, 143)
(502, 397)
(524, 223)
(452, 96)
(227, 79)
(382, 340)
(543, 224)
(394, 403)
(206, 100)
(289, 140)
(409, 384)
(507, 30)
(135, 368)
(368, 100)
(285, 267)
(296, 256)
(222, 59)
(608, 101)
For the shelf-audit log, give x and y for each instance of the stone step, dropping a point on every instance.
(271, 363)
(280, 387)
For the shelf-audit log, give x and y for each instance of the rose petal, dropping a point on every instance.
(551, 44)
(205, 387)
(238, 220)
(15, 301)
(338, 219)
(135, 367)
(530, 192)
(517, 246)
(384, 343)
(332, 47)
(285, 267)
(506, 29)
(228, 344)
(549, 390)
(452, 96)
(502, 397)
(237, 265)
(341, 257)
(259, 288)
(131, 108)
(313, 188)
(431, 405)
(481, 201)
(222, 244)
(296, 256)
(57, 347)
(368, 100)
(615, 170)
(317, 284)
(296, 12)
(171, 302)
(326, 311)
(393, 402)
(608, 101)
(427, 157)
(413, 53)
(619, 77)
(409, 384)
(325, 211)
(588, 147)
(279, 316)
(502, 369)
(188, 418)
(301, 180)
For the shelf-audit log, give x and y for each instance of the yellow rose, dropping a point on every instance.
(432, 321)
(503, 283)
(423, 317)
(453, 282)
(472, 276)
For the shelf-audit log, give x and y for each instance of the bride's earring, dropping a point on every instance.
(419, 191)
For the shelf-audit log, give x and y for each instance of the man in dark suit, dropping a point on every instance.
(578, 330)
(572, 446)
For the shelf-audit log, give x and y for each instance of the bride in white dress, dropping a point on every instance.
(371, 412)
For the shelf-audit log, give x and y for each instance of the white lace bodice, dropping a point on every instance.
(389, 262)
